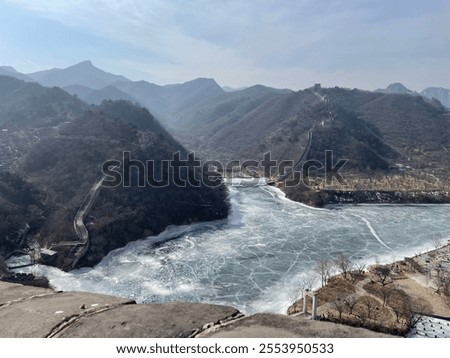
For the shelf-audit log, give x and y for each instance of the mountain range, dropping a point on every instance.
(244, 123)
(433, 93)
(52, 148)
(87, 75)
(372, 130)
(57, 127)
(94, 85)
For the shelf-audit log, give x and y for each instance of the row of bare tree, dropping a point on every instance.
(324, 270)
(383, 299)
(341, 265)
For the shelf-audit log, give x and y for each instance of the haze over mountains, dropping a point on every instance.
(438, 93)
(441, 94)
(93, 85)
(93, 96)
(244, 123)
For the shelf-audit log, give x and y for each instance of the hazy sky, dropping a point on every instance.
(352, 43)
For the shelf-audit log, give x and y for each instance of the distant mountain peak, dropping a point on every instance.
(198, 84)
(395, 88)
(86, 62)
(12, 72)
(10, 69)
(83, 64)
(439, 93)
(203, 80)
(83, 73)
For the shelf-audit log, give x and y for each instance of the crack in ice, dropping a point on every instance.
(372, 230)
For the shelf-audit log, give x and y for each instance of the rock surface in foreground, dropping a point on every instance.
(38, 312)
(267, 325)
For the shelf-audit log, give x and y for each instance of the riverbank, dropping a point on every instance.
(323, 197)
(387, 197)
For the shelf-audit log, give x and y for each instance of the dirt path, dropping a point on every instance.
(426, 294)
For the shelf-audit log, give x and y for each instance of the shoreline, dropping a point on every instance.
(322, 197)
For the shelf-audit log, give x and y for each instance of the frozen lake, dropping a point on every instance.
(253, 259)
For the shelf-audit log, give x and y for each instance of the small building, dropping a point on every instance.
(317, 87)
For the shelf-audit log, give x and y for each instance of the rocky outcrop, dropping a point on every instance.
(26, 279)
(39, 312)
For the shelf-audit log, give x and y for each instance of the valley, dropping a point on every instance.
(216, 233)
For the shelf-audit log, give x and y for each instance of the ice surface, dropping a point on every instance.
(254, 259)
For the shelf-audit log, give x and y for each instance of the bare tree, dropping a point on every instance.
(294, 294)
(360, 311)
(437, 243)
(350, 303)
(324, 268)
(343, 264)
(358, 272)
(306, 283)
(442, 281)
(370, 306)
(386, 293)
(400, 303)
(360, 268)
(339, 306)
(418, 310)
(382, 274)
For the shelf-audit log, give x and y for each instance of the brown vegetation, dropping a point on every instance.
(373, 299)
